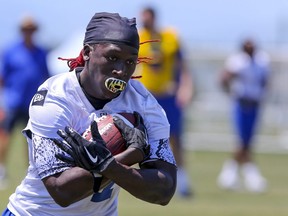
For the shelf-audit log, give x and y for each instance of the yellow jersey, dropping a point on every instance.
(158, 75)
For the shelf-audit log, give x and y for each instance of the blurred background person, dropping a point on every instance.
(23, 69)
(167, 77)
(245, 78)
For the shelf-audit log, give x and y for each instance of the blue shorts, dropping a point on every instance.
(245, 119)
(7, 212)
(174, 114)
(12, 117)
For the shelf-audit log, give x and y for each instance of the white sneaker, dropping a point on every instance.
(3, 184)
(253, 180)
(228, 178)
(183, 185)
(3, 178)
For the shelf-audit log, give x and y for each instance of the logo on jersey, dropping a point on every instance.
(39, 98)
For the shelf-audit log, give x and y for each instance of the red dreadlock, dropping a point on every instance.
(74, 62)
(79, 61)
(150, 41)
(144, 59)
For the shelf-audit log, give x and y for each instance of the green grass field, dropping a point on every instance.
(203, 167)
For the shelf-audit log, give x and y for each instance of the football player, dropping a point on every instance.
(82, 177)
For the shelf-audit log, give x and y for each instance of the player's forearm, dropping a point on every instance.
(129, 157)
(151, 185)
(70, 186)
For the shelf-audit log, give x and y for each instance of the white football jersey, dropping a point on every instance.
(61, 102)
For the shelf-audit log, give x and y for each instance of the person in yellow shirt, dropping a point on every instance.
(167, 77)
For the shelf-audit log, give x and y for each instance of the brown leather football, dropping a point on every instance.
(110, 133)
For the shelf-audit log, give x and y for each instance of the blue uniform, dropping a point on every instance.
(248, 89)
(23, 70)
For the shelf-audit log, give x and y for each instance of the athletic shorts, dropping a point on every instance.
(7, 212)
(245, 119)
(174, 114)
(12, 117)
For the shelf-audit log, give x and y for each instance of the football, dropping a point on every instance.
(110, 133)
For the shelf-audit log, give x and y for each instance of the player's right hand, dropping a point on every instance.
(90, 155)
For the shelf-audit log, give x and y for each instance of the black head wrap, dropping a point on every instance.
(111, 27)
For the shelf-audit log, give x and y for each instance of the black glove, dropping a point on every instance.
(92, 156)
(136, 137)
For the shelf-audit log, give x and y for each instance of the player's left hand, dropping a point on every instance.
(92, 156)
(136, 137)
